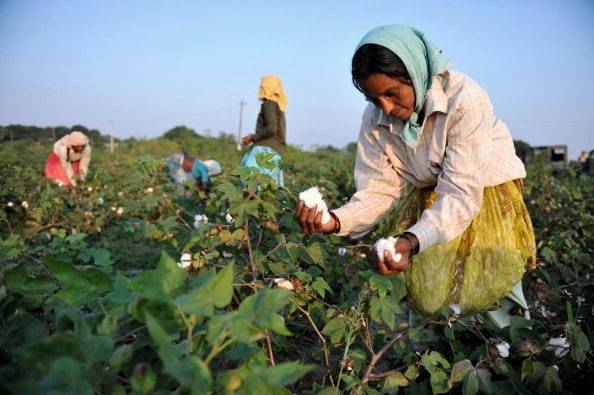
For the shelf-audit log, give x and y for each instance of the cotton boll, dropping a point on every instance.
(185, 261)
(10, 204)
(389, 244)
(229, 218)
(311, 198)
(25, 204)
(120, 211)
(342, 251)
(503, 349)
(100, 200)
(282, 283)
(150, 190)
(558, 345)
(90, 189)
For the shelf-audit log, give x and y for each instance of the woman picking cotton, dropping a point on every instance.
(433, 154)
(69, 159)
(271, 126)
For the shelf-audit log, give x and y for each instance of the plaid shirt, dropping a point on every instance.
(463, 148)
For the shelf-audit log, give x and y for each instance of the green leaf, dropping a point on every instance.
(120, 356)
(471, 384)
(335, 329)
(393, 383)
(262, 309)
(283, 373)
(460, 370)
(316, 253)
(192, 373)
(439, 382)
(221, 287)
(80, 284)
(217, 292)
(321, 286)
(167, 352)
(162, 282)
(579, 342)
(381, 284)
(143, 380)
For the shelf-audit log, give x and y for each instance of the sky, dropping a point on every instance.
(139, 68)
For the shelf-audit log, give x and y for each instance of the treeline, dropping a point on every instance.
(178, 133)
(48, 133)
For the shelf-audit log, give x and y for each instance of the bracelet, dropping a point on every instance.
(413, 250)
(336, 222)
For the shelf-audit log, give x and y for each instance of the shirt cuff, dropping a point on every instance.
(344, 219)
(426, 234)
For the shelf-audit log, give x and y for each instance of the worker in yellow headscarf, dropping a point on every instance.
(271, 126)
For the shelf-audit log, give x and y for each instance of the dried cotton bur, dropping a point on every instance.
(312, 198)
(389, 244)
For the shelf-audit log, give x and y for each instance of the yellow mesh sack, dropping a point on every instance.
(480, 266)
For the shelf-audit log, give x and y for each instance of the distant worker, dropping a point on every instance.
(270, 129)
(183, 167)
(590, 164)
(583, 159)
(69, 159)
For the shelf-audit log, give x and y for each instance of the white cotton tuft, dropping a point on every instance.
(185, 261)
(120, 211)
(229, 218)
(558, 345)
(389, 244)
(200, 218)
(150, 190)
(25, 204)
(282, 283)
(342, 251)
(311, 198)
(10, 204)
(503, 349)
(456, 308)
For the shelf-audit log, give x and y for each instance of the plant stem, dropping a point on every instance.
(249, 245)
(376, 357)
(322, 340)
(269, 347)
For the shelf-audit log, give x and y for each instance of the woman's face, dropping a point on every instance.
(78, 148)
(396, 97)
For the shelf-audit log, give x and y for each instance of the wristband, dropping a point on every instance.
(414, 249)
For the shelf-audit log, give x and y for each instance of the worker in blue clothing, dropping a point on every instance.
(197, 169)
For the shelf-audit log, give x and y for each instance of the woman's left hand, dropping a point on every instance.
(390, 265)
(247, 139)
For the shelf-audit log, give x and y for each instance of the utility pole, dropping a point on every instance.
(241, 105)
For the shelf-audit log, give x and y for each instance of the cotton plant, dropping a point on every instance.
(311, 198)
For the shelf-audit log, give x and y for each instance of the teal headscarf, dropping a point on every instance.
(423, 61)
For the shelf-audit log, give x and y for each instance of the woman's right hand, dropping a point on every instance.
(311, 221)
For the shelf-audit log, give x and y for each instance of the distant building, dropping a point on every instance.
(556, 154)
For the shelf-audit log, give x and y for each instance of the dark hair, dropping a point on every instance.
(374, 58)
